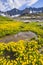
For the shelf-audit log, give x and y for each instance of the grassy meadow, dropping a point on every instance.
(21, 52)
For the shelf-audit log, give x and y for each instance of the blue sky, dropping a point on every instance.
(38, 4)
(19, 4)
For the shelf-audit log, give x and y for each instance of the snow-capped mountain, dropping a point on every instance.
(17, 12)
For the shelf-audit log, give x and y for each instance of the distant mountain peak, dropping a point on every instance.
(26, 10)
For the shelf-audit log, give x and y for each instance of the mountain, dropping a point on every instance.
(25, 11)
(13, 12)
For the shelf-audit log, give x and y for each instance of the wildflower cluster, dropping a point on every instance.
(21, 53)
(13, 27)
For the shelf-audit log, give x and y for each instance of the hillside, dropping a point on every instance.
(2, 18)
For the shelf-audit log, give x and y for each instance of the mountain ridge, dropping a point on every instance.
(26, 10)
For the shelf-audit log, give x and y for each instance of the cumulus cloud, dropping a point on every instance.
(10, 4)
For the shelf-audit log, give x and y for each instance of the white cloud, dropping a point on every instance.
(4, 6)
(32, 2)
(10, 4)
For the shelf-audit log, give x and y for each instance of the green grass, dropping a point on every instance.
(8, 27)
(5, 19)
